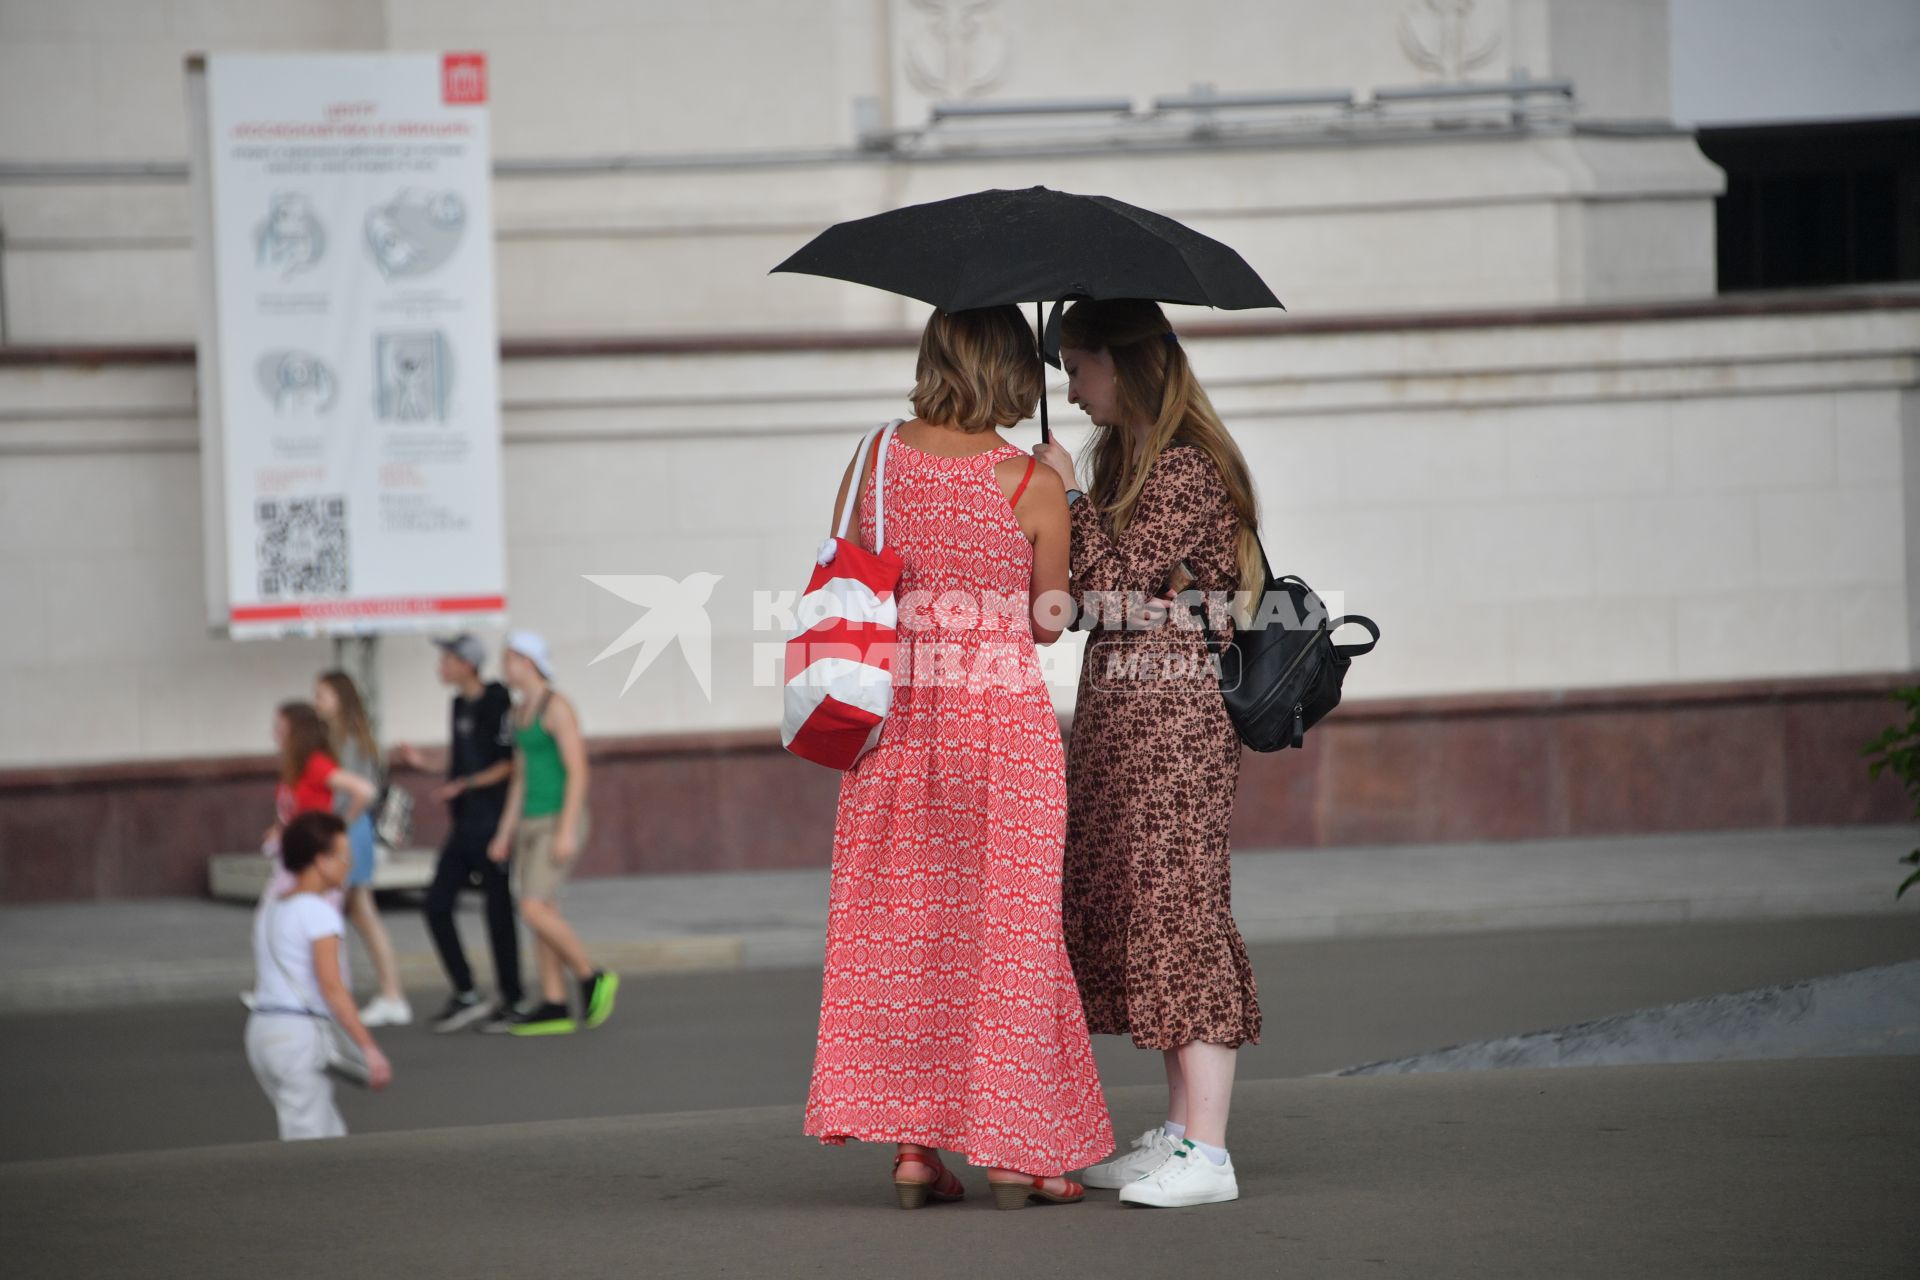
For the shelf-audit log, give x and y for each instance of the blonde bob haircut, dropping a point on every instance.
(978, 370)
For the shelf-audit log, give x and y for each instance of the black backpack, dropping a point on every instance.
(1281, 675)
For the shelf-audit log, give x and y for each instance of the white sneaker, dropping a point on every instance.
(1149, 1149)
(1184, 1178)
(384, 1012)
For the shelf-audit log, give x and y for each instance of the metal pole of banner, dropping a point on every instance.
(3, 288)
(369, 678)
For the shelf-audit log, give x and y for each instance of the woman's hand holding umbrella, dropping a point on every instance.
(1051, 453)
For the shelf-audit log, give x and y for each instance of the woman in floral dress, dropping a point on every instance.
(1154, 760)
(949, 1017)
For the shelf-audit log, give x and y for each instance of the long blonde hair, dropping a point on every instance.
(1155, 385)
(352, 724)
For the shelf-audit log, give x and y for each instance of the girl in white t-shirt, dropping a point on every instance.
(297, 938)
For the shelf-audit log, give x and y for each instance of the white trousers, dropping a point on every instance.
(286, 1053)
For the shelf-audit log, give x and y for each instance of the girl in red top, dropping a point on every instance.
(309, 778)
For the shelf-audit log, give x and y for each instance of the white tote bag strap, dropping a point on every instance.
(885, 432)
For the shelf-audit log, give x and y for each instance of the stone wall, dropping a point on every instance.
(1731, 755)
(1524, 501)
(656, 160)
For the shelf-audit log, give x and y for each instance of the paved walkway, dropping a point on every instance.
(1754, 1169)
(106, 953)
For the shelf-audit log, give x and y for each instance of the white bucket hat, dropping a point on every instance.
(533, 647)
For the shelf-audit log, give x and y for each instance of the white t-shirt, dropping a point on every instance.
(283, 977)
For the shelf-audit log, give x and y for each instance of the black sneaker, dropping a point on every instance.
(462, 1011)
(504, 1018)
(546, 1020)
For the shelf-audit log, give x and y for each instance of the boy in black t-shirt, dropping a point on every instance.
(479, 762)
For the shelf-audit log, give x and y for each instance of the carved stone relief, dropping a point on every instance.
(1446, 39)
(959, 50)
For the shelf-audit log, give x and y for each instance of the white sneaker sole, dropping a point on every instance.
(1217, 1195)
(387, 1020)
(1108, 1180)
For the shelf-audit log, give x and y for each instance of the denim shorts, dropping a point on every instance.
(360, 838)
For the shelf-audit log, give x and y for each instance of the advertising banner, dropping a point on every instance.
(349, 354)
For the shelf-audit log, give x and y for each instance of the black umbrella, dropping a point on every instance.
(1036, 245)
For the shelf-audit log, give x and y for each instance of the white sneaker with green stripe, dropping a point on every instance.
(1186, 1177)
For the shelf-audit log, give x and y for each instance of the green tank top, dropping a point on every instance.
(545, 771)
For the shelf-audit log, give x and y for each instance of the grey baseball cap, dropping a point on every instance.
(465, 647)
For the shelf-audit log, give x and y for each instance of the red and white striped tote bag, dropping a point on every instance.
(840, 661)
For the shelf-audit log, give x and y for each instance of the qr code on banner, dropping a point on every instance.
(301, 546)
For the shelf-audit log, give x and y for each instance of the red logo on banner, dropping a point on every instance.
(463, 77)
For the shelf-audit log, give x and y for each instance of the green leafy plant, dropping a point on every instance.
(1898, 751)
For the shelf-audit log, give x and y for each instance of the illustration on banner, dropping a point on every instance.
(291, 239)
(416, 376)
(298, 383)
(415, 232)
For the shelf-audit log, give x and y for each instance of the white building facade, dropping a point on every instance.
(1508, 414)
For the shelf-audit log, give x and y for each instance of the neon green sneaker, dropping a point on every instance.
(547, 1020)
(597, 998)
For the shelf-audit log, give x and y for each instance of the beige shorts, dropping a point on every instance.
(535, 872)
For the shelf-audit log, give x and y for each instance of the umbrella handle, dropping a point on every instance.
(1040, 336)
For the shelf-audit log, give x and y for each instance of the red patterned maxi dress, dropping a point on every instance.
(949, 1016)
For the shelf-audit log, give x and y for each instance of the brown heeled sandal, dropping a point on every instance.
(1016, 1195)
(944, 1186)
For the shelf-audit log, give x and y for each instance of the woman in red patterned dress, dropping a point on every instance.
(949, 1017)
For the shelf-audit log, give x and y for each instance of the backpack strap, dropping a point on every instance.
(1354, 650)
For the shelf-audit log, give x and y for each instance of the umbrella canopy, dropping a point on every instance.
(1036, 245)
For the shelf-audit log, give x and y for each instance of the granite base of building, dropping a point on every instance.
(1509, 766)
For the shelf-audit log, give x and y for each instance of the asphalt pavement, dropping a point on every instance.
(132, 1137)
(1751, 1169)
(146, 1078)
